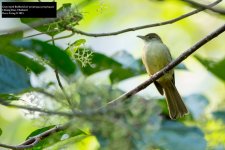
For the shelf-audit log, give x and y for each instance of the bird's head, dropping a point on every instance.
(149, 37)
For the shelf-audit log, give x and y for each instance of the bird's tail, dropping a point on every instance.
(174, 101)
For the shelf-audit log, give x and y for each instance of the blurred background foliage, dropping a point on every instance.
(96, 70)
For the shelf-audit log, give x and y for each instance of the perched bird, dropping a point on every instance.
(156, 56)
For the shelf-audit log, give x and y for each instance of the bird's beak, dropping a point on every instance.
(142, 37)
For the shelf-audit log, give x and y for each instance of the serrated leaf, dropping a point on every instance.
(13, 78)
(217, 68)
(55, 55)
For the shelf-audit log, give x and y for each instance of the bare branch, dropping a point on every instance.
(62, 37)
(198, 5)
(63, 90)
(67, 114)
(31, 142)
(60, 84)
(144, 26)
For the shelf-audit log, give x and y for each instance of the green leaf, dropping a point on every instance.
(219, 115)
(217, 68)
(25, 62)
(130, 67)
(56, 26)
(55, 137)
(122, 64)
(79, 42)
(13, 78)
(72, 48)
(9, 97)
(38, 131)
(55, 55)
(175, 136)
(0, 131)
(120, 73)
(6, 42)
(128, 61)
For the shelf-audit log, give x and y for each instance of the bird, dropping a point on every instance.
(155, 56)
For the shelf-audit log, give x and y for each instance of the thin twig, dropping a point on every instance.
(198, 5)
(35, 109)
(144, 26)
(62, 88)
(60, 84)
(29, 36)
(62, 37)
(51, 112)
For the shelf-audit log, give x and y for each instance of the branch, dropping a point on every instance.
(67, 114)
(60, 84)
(34, 140)
(170, 66)
(132, 92)
(63, 90)
(31, 142)
(198, 5)
(39, 23)
(145, 26)
(62, 37)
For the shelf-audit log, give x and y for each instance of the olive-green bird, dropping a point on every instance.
(156, 56)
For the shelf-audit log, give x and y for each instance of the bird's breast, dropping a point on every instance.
(156, 56)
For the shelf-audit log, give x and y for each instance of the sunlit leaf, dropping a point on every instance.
(54, 54)
(79, 42)
(13, 78)
(217, 68)
(72, 48)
